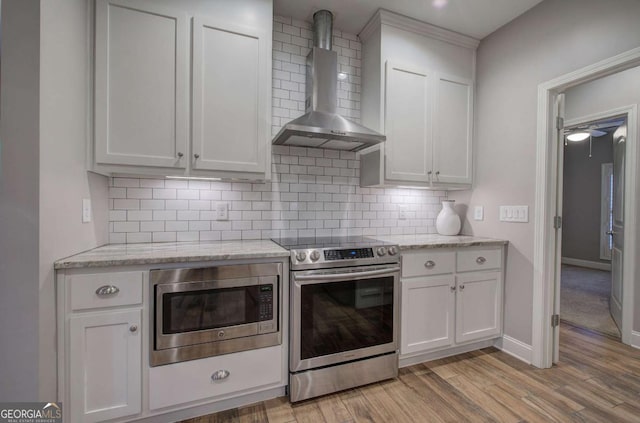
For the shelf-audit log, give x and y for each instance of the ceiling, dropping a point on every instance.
(475, 18)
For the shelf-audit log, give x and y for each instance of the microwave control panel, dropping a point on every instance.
(265, 302)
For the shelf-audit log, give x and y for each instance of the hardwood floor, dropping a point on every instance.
(597, 380)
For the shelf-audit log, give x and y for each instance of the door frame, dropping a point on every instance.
(544, 257)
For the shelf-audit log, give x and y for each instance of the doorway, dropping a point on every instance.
(587, 297)
(548, 207)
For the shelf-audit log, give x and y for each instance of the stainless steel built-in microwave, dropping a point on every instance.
(200, 312)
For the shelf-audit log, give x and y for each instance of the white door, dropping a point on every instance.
(408, 124)
(141, 83)
(105, 370)
(615, 302)
(478, 306)
(230, 97)
(452, 128)
(428, 305)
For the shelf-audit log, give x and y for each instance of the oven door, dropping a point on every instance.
(190, 313)
(344, 314)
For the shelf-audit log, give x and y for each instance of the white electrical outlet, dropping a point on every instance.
(478, 213)
(402, 211)
(86, 210)
(518, 214)
(222, 211)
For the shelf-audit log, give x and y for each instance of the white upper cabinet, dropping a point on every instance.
(230, 95)
(183, 88)
(408, 124)
(418, 90)
(452, 130)
(141, 85)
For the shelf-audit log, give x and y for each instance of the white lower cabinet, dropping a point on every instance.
(101, 338)
(105, 371)
(478, 306)
(427, 313)
(460, 305)
(215, 377)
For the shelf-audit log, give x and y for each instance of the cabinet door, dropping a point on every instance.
(478, 306)
(428, 305)
(453, 129)
(231, 93)
(141, 82)
(407, 124)
(105, 370)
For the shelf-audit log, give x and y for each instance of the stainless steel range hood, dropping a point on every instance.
(321, 126)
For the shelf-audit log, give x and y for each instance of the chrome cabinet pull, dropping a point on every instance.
(430, 264)
(107, 290)
(453, 288)
(196, 156)
(461, 287)
(180, 155)
(133, 328)
(220, 375)
(481, 260)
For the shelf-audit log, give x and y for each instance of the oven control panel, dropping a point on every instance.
(265, 301)
(348, 254)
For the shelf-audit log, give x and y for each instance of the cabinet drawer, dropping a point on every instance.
(423, 263)
(192, 380)
(469, 260)
(105, 290)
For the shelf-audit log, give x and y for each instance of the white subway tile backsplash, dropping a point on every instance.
(313, 192)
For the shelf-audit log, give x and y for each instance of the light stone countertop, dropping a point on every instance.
(409, 242)
(171, 252)
(184, 252)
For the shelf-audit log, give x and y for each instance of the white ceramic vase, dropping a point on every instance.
(448, 221)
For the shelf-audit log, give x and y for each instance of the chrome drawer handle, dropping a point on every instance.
(107, 290)
(430, 264)
(220, 375)
(481, 260)
(133, 328)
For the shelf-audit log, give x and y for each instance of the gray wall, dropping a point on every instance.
(64, 130)
(550, 40)
(615, 91)
(44, 129)
(19, 199)
(581, 201)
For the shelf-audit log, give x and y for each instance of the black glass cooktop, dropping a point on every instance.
(328, 242)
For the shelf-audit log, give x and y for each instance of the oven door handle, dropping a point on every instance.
(342, 276)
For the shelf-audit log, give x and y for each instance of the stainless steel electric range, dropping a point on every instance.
(343, 313)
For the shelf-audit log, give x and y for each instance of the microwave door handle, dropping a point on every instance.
(342, 276)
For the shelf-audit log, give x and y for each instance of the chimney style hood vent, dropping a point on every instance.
(321, 126)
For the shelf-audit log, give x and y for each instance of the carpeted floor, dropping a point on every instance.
(584, 299)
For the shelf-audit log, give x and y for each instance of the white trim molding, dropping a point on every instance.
(635, 339)
(598, 265)
(386, 17)
(544, 258)
(514, 348)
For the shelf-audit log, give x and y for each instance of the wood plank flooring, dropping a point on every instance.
(597, 380)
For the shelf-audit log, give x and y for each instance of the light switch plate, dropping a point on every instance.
(478, 213)
(517, 214)
(222, 211)
(402, 211)
(86, 210)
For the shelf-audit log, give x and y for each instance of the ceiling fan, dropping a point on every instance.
(595, 130)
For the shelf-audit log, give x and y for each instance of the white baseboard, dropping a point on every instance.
(635, 339)
(410, 360)
(515, 348)
(586, 263)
